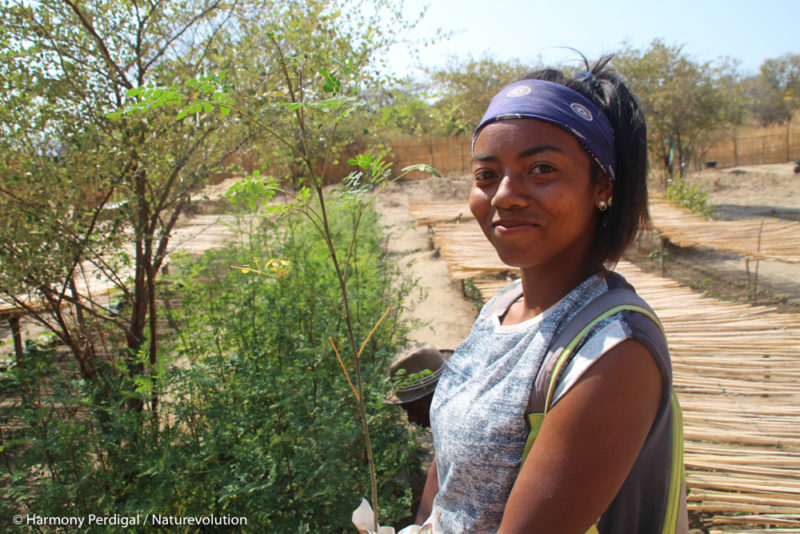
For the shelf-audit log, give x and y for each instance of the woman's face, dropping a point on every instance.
(533, 193)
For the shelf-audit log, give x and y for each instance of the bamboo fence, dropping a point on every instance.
(774, 144)
(736, 370)
(451, 155)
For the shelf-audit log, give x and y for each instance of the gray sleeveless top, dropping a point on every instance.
(478, 411)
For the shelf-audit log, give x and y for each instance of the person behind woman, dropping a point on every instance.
(559, 189)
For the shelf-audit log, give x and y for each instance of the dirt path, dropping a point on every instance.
(443, 305)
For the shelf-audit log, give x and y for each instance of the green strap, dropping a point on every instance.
(677, 473)
(535, 421)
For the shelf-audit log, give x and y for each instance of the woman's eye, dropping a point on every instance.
(542, 168)
(483, 176)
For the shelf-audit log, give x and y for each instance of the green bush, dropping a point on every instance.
(683, 194)
(257, 418)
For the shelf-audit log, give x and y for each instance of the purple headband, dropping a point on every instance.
(552, 102)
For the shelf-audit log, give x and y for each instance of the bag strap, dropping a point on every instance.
(508, 296)
(560, 352)
(562, 349)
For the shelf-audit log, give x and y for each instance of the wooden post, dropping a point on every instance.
(430, 149)
(755, 272)
(461, 152)
(661, 246)
(755, 285)
(788, 139)
(749, 280)
(13, 321)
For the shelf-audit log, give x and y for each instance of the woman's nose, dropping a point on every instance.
(510, 193)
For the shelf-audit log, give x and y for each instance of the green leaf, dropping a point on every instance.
(331, 83)
(363, 161)
(422, 167)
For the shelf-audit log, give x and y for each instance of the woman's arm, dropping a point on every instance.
(587, 445)
(428, 493)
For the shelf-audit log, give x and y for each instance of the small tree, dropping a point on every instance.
(685, 102)
(94, 199)
(775, 92)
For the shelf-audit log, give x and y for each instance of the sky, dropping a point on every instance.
(532, 30)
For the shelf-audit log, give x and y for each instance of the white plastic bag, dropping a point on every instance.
(364, 520)
(429, 526)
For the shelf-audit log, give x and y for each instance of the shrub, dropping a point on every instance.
(688, 196)
(257, 417)
(264, 395)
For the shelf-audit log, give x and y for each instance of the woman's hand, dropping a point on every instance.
(587, 445)
(428, 493)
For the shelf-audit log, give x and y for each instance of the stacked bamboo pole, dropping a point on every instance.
(447, 211)
(762, 239)
(736, 370)
(767, 239)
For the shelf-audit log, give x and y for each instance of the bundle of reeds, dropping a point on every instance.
(761, 239)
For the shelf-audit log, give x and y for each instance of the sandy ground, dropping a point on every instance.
(443, 306)
(752, 192)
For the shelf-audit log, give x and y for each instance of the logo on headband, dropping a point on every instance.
(581, 111)
(520, 90)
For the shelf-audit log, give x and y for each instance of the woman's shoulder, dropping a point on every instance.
(633, 320)
(641, 322)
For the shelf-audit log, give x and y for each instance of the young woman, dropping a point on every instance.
(559, 189)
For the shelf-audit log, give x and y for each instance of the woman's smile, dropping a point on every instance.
(512, 226)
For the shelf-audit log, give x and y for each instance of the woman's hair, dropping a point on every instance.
(620, 224)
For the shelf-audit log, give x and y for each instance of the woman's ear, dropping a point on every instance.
(604, 188)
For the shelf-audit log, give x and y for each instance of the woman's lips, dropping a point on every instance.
(512, 226)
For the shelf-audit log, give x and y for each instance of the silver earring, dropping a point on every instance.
(602, 205)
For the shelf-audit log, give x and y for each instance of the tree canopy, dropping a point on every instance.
(465, 88)
(67, 65)
(775, 93)
(685, 101)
